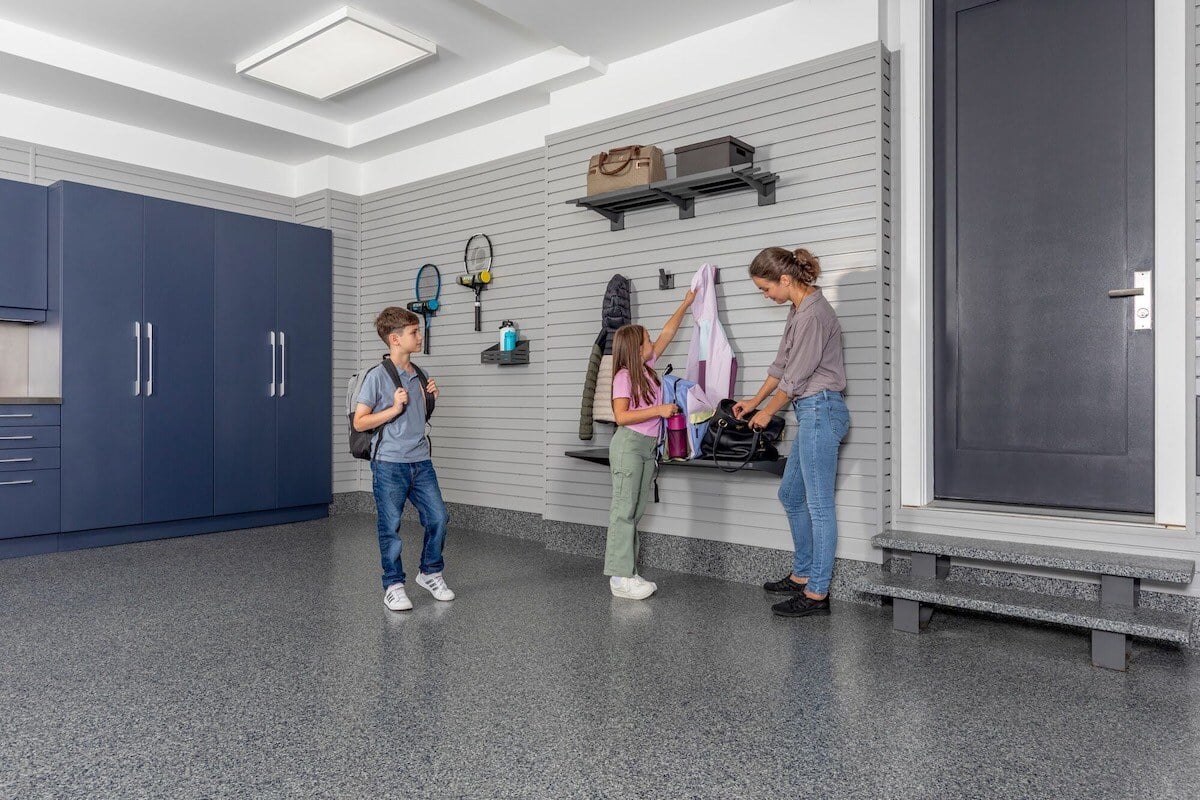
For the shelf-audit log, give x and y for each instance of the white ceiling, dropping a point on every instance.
(169, 66)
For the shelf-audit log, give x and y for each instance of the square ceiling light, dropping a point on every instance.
(337, 53)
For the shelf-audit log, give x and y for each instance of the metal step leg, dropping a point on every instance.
(1110, 650)
(907, 614)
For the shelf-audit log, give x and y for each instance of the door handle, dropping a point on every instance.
(137, 337)
(1142, 293)
(282, 365)
(271, 388)
(150, 358)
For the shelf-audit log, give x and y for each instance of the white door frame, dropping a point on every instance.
(1174, 270)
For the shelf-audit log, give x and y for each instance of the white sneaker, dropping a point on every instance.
(635, 588)
(396, 599)
(436, 585)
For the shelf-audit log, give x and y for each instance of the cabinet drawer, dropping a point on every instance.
(23, 438)
(25, 460)
(30, 503)
(29, 415)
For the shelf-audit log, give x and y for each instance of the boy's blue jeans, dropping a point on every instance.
(393, 484)
(807, 488)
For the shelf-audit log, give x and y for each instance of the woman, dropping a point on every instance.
(809, 373)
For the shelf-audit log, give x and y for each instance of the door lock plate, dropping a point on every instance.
(1143, 304)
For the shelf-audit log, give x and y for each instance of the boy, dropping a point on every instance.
(401, 469)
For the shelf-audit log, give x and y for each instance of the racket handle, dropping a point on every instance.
(478, 316)
(427, 344)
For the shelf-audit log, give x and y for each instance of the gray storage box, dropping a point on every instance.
(713, 154)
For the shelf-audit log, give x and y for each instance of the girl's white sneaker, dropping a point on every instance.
(436, 585)
(396, 599)
(635, 588)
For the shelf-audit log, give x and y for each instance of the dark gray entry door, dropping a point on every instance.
(1043, 202)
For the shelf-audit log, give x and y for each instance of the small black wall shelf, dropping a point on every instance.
(506, 358)
(680, 192)
(599, 455)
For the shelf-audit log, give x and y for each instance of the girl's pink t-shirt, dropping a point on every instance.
(622, 387)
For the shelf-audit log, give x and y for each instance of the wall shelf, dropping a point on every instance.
(599, 455)
(680, 192)
(506, 358)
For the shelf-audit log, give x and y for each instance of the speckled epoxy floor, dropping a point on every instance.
(262, 664)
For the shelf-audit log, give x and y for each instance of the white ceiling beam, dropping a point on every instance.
(55, 51)
(546, 72)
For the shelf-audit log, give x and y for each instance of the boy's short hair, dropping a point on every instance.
(394, 318)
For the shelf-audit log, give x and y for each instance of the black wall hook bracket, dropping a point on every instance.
(666, 280)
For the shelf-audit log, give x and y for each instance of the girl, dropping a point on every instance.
(639, 412)
(808, 372)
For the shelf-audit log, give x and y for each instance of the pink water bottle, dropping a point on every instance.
(677, 436)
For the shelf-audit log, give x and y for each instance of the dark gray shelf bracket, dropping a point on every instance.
(680, 192)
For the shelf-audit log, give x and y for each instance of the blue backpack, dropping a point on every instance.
(677, 390)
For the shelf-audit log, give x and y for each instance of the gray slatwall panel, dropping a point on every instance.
(820, 126)
(340, 213)
(15, 160)
(488, 427)
(54, 165)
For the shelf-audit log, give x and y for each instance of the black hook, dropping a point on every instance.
(666, 280)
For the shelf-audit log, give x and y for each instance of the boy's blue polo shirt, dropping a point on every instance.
(404, 440)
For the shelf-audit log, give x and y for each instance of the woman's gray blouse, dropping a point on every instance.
(810, 354)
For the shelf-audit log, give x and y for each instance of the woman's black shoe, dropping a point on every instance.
(784, 585)
(801, 606)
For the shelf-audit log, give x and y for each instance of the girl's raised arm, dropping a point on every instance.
(672, 327)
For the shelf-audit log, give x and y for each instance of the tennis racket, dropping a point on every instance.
(429, 287)
(477, 259)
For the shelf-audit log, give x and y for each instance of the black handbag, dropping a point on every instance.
(733, 440)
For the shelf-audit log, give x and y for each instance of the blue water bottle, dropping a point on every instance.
(508, 335)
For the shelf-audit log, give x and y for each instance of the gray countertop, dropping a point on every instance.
(30, 401)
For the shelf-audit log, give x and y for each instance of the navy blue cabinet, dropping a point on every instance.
(247, 364)
(274, 364)
(23, 214)
(178, 398)
(100, 264)
(196, 363)
(304, 314)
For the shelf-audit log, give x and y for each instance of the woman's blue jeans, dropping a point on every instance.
(807, 488)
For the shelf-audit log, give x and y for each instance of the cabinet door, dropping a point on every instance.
(304, 277)
(22, 251)
(246, 364)
(101, 263)
(179, 395)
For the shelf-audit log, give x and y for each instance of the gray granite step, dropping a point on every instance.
(1144, 622)
(1098, 562)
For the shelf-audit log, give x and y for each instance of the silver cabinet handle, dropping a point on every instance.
(1138, 292)
(271, 388)
(137, 337)
(15, 438)
(150, 358)
(16, 416)
(14, 460)
(282, 365)
(14, 483)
